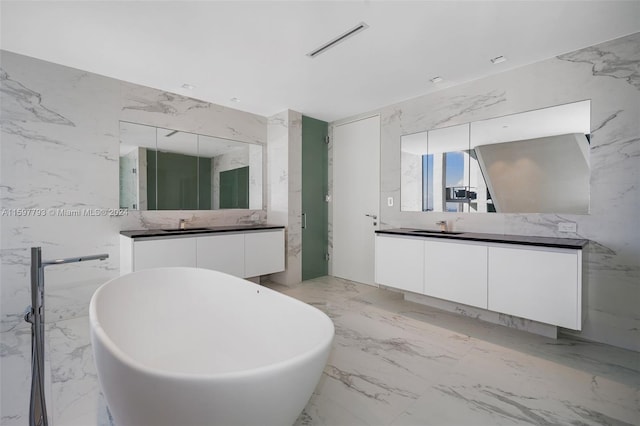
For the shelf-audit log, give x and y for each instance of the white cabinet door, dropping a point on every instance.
(159, 253)
(399, 263)
(222, 252)
(126, 255)
(540, 284)
(263, 252)
(456, 271)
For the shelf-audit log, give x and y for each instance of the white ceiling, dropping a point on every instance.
(256, 51)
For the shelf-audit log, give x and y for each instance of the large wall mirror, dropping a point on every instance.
(530, 162)
(165, 169)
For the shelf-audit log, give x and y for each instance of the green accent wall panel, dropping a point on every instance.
(152, 202)
(178, 181)
(234, 188)
(315, 239)
(204, 183)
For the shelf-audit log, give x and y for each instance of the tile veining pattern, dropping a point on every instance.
(60, 150)
(609, 75)
(284, 135)
(59, 153)
(395, 362)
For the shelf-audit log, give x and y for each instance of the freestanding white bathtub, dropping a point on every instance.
(187, 346)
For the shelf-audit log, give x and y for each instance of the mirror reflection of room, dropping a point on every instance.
(531, 162)
(165, 169)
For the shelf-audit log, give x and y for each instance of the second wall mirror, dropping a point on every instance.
(530, 162)
(165, 169)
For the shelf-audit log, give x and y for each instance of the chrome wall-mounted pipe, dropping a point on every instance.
(35, 316)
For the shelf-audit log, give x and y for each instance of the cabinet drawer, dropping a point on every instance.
(224, 253)
(160, 253)
(263, 252)
(399, 263)
(539, 284)
(456, 271)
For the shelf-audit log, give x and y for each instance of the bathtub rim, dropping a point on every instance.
(98, 331)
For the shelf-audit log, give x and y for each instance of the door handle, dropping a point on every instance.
(372, 216)
(304, 220)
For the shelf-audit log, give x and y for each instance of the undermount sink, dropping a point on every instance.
(186, 230)
(426, 231)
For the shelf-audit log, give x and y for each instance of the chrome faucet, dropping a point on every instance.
(182, 224)
(34, 315)
(443, 225)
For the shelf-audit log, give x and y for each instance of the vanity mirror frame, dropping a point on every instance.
(534, 161)
(199, 170)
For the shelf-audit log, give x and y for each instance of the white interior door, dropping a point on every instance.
(356, 198)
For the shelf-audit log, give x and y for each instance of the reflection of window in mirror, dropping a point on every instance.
(530, 162)
(448, 175)
(435, 170)
(457, 193)
(444, 178)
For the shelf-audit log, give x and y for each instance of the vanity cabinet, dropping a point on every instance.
(243, 254)
(263, 252)
(170, 252)
(456, 271)
(542, 284)
(224, 253)
(399, 263)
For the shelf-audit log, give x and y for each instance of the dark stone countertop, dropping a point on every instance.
(568, 243)
(174, 232)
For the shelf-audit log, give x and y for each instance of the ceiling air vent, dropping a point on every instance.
(350, 33)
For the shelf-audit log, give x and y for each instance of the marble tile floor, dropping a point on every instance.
(397, 363)
(400, 363)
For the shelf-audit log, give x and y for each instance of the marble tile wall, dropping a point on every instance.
(59, 158)
(609, 75)
(256, 177)
(411, 182)
(60, 151)
(285, 188)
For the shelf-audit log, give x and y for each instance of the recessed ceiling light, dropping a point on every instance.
(235, 100)
(435, 80)
(498, 59)
(188, 86)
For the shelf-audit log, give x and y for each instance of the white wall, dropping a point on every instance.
(608, 75)
(60, 150)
